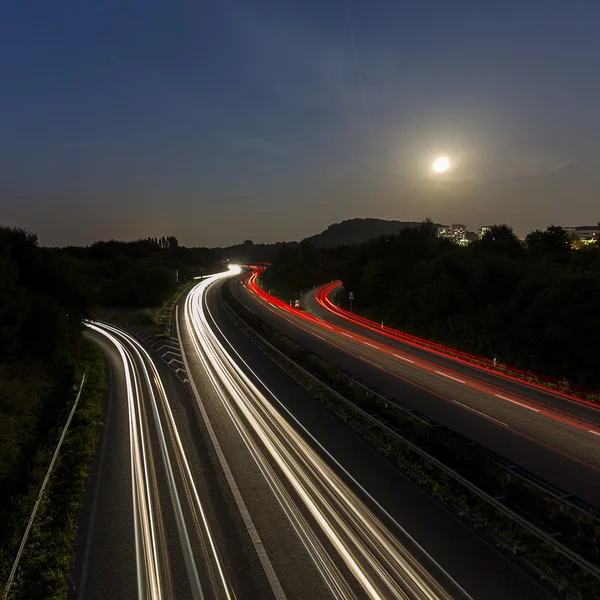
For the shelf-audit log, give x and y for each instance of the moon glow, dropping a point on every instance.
(440, 164)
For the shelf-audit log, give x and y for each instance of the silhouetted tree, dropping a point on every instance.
(554, 240)
(501, 239)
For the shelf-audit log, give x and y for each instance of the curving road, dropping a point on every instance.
(244, 486)
(157, 522)
(317, 494)
(553, 437)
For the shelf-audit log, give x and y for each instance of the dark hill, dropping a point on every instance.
(357, 231)
(351, 231)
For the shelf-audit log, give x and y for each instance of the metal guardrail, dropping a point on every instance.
(496, 504)
(15, 566)
(515, 470)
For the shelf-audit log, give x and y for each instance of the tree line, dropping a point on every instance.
(141, 273)
(532, 304)
(45, 294)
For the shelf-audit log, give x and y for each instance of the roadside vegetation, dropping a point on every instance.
(530, 304)
(140, 274)
(139, 283)
(46, 562)
(154, 319)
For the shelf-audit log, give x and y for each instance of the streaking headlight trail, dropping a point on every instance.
(316, 500)
(157, 455)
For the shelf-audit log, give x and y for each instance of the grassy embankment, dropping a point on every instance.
(156, 320)
(45, 564)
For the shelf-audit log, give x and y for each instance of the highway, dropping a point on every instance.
(317, 496)
(553, 437)
(156, 520)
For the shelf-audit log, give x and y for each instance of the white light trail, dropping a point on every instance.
(147, 399)
(382, 566)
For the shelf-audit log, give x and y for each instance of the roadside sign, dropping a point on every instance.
(350, 295)
(297, 304)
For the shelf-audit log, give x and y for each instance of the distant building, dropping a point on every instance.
(483, 230)
(585, 233)
(456, 232)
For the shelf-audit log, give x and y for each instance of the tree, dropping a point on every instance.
(428, 228)
(503, 240)
(555, 240)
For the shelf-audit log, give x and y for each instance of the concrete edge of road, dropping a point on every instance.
(496, 504)
(265, 562)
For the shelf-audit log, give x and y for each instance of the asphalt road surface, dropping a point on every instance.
(556, 439)
(334, 519)
(158, 519)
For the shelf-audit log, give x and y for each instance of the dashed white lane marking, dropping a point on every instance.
(404, 358)
(594, 432)
(372, 345)
(480, 413)
(347, 334)
(519, 403)
(449, 376)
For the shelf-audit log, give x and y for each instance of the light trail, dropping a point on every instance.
(311, 324)
(474, 361)
(156, 447)
(355, 553)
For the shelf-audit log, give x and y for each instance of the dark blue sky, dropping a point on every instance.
(218, 121)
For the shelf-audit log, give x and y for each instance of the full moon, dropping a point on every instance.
(441, 164)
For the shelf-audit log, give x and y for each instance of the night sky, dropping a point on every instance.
(219, 121)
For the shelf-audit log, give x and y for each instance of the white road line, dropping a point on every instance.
(450, 376)
(347, 334)
(594, 432)
(479, 413)
(372, 345)
(519, 403)
(404, 358)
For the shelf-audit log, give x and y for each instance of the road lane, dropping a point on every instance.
(157, 519)
(348, 534)
(561, 450)
(319, 303)
(105, 558)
